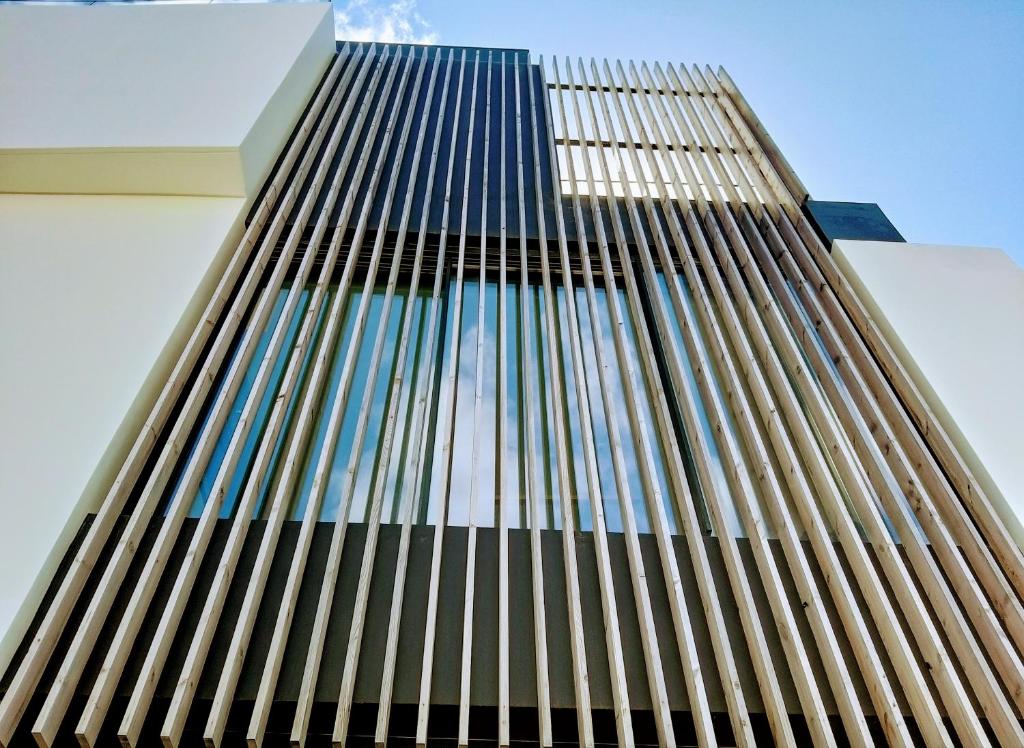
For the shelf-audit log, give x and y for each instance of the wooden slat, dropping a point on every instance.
(919, 694)
(188, 677)
(891, 561)
(243, 511)
(742, 493)
(908, 455)
(681, 619)
(222, 701)
(917, 492)
(567, 486)
(45, 727)
(842, 687)
(478, 404)
(816, 422)
(766, 145)
(280, 504)
(775, 196)
(837, 671)
(609, 606)
(25, 679)
(383, 452)
(892, 376)
(862, 566)
(772, 493)
(532, 489)
(963, 641)
(691, 526)
(311, 670)
(272, 667)
(641, 593)
(145, 686)
(502, 487)
(910, 460)
(423, 406)
(448, 426)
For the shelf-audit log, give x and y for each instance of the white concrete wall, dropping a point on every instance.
(163, 99)
(94, 309)
(98, 292)
(955, 317)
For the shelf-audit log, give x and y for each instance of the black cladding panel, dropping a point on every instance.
(840, 220)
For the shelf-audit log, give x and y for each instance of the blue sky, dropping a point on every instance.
(916, 106)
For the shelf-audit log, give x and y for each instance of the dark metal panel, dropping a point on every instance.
(414, 616)
(633, 652)
(378, 615)
(593, 627)
(522, 660)
(450, 606)
(483, 687)
(263, 630)
(560, 668)
(843, 220)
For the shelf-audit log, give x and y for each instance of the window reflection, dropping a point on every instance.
(248, 448)
(442, 487)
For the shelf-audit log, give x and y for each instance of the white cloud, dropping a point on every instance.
(389, 22)
(395, 22)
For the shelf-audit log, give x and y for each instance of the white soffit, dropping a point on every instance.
(955, 317)
(153, 99)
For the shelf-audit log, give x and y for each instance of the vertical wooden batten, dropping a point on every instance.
(786, 545)
(567, 486)
(609, 606)
(448, 424)
(26, 677)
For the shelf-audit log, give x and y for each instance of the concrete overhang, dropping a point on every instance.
(160, 100)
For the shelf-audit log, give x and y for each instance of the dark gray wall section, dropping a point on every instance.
(448, 645)
(838, 220)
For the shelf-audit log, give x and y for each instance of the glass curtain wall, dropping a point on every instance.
(502, 484)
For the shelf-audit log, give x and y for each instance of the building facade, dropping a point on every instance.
(536, 402)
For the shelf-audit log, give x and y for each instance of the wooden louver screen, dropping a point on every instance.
(705, 370)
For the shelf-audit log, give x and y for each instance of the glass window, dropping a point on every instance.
(259, 421)
(530, 360)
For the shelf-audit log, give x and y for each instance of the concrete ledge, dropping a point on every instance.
(113, 171)
(163, 100)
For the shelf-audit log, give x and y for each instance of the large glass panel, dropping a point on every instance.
(325, 405)
(406, 440)
(537, 366)
(734, 525)
(460, 482)
(733, 522)
(574, 428)
(431, 510)
(602, 443)
(486, 438)
(272, 475)
(474, 456)
(377, 382)
(259, 419)
(513, 470)
(645, 405)
(522, 366)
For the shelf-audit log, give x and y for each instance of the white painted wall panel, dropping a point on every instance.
(108, 111)
(97, 296)
(162, 99)
(955, 316)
